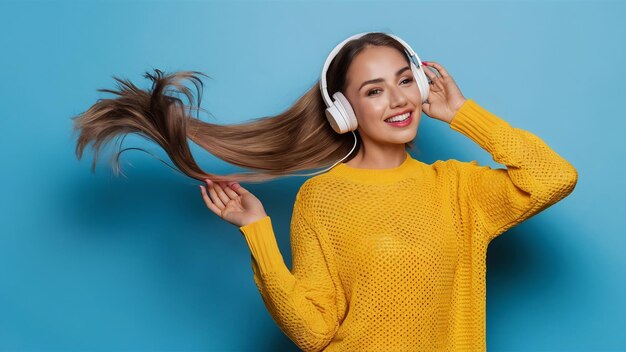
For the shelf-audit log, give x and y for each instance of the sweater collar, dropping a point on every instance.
(404, 170)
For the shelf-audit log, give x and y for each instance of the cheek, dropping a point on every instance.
(375, 108)
(416, 96)
(375, 112)
(369, 111)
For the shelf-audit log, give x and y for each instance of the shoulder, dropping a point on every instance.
(321, 183)
(314, 188)
(320, 193)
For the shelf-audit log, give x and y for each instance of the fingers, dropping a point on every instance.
(229, 191)
(238, 189)
(430, 74)
(209, 203)
(219, 189)
(439, 68)
(218, 194)
(214, 198)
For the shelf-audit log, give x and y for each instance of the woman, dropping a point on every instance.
(388, 253)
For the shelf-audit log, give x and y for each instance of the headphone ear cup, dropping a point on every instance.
(346, 111)
(337, 122)
(422, 81)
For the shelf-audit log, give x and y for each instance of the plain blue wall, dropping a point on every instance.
(94, 262)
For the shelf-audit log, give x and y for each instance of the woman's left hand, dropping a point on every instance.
(444, 98)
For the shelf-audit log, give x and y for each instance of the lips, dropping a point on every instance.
(400, 113)
(404, 123)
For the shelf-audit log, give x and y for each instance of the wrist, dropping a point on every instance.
(256, 218)
(457, 108)
(459, 105)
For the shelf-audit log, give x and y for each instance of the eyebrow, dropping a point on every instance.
(377, 80)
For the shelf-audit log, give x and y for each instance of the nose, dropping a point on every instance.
(397, 98)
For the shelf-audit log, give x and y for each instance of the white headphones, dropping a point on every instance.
(339, 112)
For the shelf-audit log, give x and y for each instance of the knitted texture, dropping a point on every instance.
(395, 259)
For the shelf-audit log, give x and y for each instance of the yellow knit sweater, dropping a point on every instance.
(394, 259)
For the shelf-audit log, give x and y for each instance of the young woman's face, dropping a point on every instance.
(373, 102)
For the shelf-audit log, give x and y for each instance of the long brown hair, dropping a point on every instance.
(299, 138)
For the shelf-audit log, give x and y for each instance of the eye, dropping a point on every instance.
(408, 80)
(370, 92)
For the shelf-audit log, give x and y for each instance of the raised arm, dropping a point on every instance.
(302, 301)
(535, 177)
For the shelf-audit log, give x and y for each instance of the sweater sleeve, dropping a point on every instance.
(301, 301)
(535, 177)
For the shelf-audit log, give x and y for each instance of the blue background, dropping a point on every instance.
(98, 262)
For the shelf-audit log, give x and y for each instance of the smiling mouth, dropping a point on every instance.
(400, 117)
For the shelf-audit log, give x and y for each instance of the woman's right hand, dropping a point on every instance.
(232, 203)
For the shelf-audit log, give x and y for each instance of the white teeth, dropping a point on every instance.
(399, 117)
